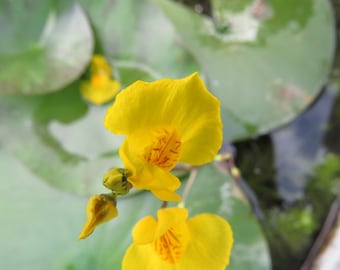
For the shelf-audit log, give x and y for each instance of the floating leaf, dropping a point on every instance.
(265, 67)
(60, 138)
(138, 34)
(54, 47)
(215, 192)
(46, 223)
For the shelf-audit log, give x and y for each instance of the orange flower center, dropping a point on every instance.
(99, 79)
(170, 246)
(165, 149)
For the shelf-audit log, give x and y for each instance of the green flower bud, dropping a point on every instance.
(117, 180)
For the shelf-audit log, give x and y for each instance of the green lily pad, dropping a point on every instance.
(60, 137)
(49, 154)
(54, 150)
(214, 191)
(40, 224)
(129, 72)
(266, 64)
(44, 48)
(137, 33)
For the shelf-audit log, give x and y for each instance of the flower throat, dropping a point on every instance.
(165, 148)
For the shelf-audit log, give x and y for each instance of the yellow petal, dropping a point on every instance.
(157, 179)
(166, 195)
(100, 65)
(210, 244)
(169, 241)
(100, 92)
(130, 158)
(160, 146)
(99, 209)
(168, 217)
(147, 176)
(147, 229)
(206, 238)
(183, 104)
(144, 230)
(144, 257)
(161, 183)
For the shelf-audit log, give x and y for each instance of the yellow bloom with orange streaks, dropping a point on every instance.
(166, 122)
(173, 242)
(100, 88)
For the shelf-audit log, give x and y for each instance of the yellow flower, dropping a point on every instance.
(99, 209)
(174, 243)
(166, 121)
(100, 88)
(100, 65)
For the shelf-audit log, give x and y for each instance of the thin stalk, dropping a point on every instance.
(190, 181)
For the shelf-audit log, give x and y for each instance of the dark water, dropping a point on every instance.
(294, 172)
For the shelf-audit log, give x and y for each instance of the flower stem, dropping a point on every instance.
(164, 204)
(191, 180)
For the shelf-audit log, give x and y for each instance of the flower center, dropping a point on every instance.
(165, 149)
(99, 79)
(170, 246)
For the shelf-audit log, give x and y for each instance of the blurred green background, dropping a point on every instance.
(274, 66)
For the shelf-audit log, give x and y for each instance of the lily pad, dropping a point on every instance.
(214, 191)
(60, 138)
(50, 154)
(137, 33)
(54, 148)
(46, 222)
(265, 63)
(129, 72)
(44, 48)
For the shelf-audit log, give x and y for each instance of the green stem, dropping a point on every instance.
(191, 180)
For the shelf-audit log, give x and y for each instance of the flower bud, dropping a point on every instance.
(99, 209)
(117, 180)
